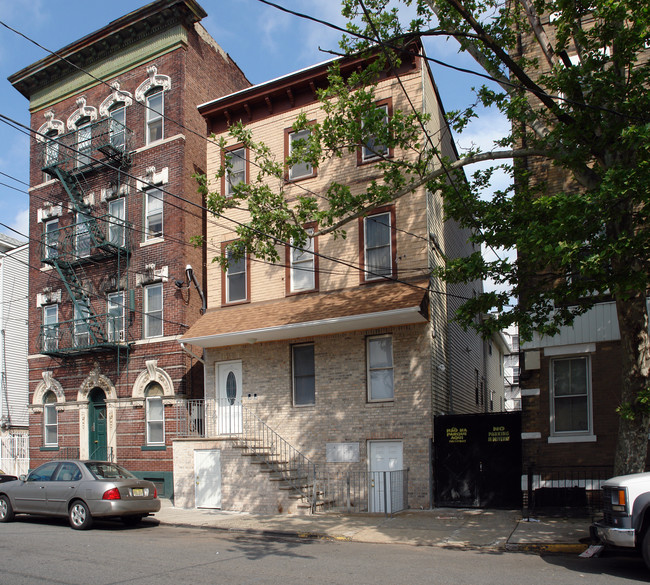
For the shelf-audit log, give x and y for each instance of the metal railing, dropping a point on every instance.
(568, 491)
(14, 454)
(104, 331)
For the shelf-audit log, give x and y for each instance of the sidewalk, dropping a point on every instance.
(446, 527)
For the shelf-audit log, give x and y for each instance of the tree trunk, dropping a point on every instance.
(632, 445)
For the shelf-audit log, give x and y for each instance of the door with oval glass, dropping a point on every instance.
(229, 393)
(97, 425)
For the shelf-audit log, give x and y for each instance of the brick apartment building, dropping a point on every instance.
(117, 137)
(317, 370)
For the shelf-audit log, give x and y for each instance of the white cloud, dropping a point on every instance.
(21, 224)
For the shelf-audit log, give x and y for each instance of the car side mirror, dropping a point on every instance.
(22, 477)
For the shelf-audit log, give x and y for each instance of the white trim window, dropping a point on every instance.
(117, 213)
(304, 374)
(82, 323)
(153, 214)
(155, 415)
(302, 261)
(302, 169)
(571, 396)
(236, 279)
(118, 126)
(50, 327)
(235, 169)
(82, 241)
(153, 310)
(380, 374)
(115, 311)
(377, 246)
(84, 142)
(50, 420)
(51, 231)
(51, 150)
(155, 121)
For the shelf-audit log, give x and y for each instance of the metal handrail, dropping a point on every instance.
(75, 335)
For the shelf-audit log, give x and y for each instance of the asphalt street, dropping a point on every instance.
(48, 551)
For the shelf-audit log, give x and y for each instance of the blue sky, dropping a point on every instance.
(265, 42)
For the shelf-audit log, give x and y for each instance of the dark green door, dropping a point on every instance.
(97, 424)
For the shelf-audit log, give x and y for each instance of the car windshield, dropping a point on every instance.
(104, 470)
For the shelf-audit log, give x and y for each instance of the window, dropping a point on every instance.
(237, 278)
(50, 421)
(302, 266)
(304, 377)
(153, 310)
(116, 212)
(118, 126)
(82, 236)
(44, 472)
(51, 151)
(153, 214)
(155, 413)
(373, 149)
(116, 316)
(51, 229)
(515, 375)
(81, 323)
(300, 170)
(50, 327)
(84, 142)
(377, 242)
(68, 472)
(236, 169)
(155, 108)
(571, 396)
(380, 368)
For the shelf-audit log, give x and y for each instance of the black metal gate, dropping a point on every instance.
(477, 460)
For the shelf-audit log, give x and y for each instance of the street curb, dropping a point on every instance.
(540, 547)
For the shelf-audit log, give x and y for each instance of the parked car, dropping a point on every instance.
(626, 508)
(80, 490)
(6, 477)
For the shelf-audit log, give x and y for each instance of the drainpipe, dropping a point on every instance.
(188, 352)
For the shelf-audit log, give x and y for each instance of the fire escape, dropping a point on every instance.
(92, 240)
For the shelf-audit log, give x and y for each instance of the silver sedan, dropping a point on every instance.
(80, 490)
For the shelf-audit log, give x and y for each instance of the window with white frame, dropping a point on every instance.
(116, 316)
(82, 235)
(571, 396)
(155, 109)
(153, 310)
(304, 374)
(82, 323)
(84, 142)
(153, 214)
(155, 414)
(51, 151)
(51, 231)
(302, 265)
(50, 420)
(50, 327)
(304, 169)
(380, 368)
(235, 160)
(236, 278)
(118, 126)
(378, 252)
(116, 213)
(372, 148)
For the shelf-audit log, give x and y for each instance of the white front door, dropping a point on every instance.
(207, 478)
(229, 409)
(384, 457)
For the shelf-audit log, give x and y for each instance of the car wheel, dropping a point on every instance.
(80, 518)
(6, 511)
(132, 520)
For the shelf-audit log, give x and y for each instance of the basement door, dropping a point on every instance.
(207, 478)
(384, 457)
(229, 408)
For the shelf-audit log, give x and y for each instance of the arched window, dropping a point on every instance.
(155, 109)
(155, 413)
(50, 420)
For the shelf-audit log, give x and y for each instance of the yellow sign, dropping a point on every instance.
(457, 435)
(499, 435)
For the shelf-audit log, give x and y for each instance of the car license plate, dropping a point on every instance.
(138, 492)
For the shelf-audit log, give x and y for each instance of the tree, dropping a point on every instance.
(572, 77)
